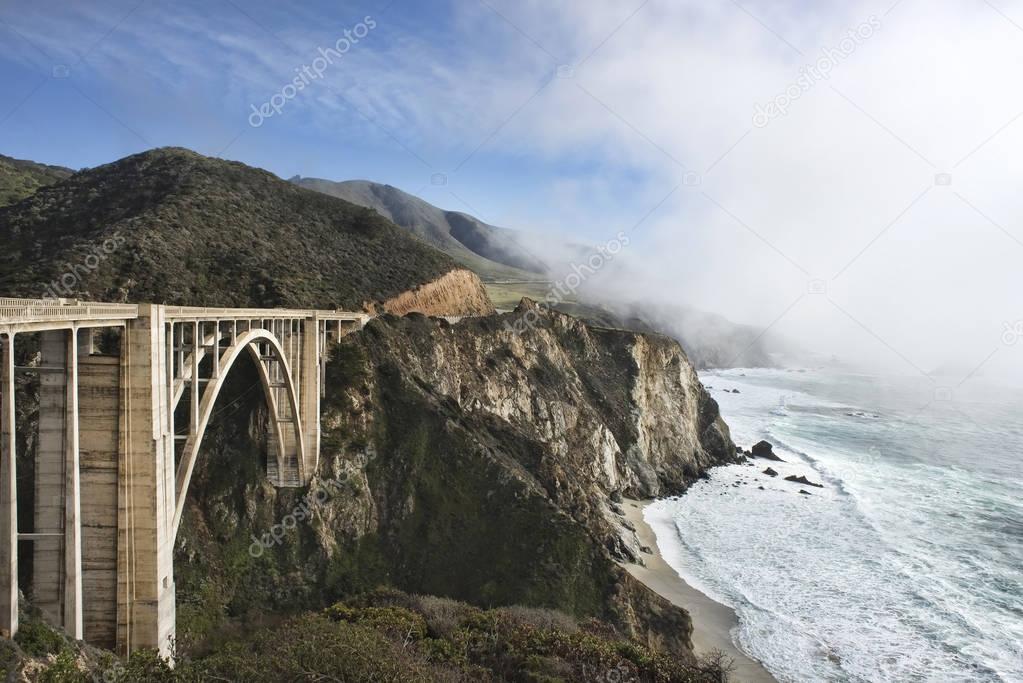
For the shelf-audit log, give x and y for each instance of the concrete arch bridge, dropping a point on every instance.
(119, 434)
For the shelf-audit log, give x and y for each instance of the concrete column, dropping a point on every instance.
(49, 481)
(72, 495)
(99, 401)
(194, 396)
(8, 497)
(309, 399)
(321, 357)
(146, 499)
(215, 351)
(179, 346)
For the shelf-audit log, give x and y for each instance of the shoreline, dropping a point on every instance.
(712, 621)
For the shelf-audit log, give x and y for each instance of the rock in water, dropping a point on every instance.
(802, 480)
(764, 450)
(771, 473)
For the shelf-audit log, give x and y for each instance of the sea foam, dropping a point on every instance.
(905, 567)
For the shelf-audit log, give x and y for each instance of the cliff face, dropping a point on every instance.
(457, 293)
(476, 461)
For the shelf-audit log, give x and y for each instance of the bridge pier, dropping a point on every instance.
(56, 536)
(146, 500)
(8, 495)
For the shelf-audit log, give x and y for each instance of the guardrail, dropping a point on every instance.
(193, 312)
(32, 310)
(42, 310)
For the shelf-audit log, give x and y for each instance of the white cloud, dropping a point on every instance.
(671, 90)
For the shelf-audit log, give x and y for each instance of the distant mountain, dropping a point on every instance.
(492, 252)
(170, 225)
(20, 178)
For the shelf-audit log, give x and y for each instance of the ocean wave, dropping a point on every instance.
(906, 567)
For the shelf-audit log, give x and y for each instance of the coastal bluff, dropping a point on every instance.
(478, 461)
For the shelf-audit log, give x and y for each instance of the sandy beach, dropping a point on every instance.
(712, 621)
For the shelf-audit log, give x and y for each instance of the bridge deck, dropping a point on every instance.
(33, 315)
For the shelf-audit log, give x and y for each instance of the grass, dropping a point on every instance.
(506, 295)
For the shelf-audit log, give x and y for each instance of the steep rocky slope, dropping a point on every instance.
(493, 252)
(456, 293)
(20, 178)
(477, 461)
(173, 226)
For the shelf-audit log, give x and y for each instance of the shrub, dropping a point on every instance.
(38, 639)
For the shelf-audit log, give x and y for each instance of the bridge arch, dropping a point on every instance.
(246, 342)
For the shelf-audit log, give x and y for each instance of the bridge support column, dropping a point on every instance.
(146, 499)
(8, 497)
(56, 546)
(310, 397)
(99, 398)
(48, 492)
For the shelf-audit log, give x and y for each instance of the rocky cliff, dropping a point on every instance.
(477, 460)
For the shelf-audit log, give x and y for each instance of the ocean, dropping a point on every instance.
(906, 566)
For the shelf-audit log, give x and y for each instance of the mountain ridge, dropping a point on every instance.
(492, 252)
(20, 178)
(172, 226)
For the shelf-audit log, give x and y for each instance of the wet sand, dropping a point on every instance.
(712, 621)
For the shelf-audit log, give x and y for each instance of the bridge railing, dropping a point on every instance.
(14, 310)
(30, 310)
(194, 312)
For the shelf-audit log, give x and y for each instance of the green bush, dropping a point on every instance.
(38, 639)
(388, 635)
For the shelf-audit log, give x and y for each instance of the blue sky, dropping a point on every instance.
(88, 85)
(775, 161)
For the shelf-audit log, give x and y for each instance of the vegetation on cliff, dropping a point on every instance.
(173, 226)
(384, 635)
(20, 178)
(491, 252)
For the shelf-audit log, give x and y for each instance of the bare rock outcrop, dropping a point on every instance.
(457, 293)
